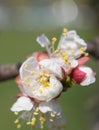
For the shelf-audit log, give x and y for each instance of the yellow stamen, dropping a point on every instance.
(41, 126)
(36, 113)
(26, 79)
(16, 121)
(66, 58)
(40, 90)
(41, 74)
(86, 54)
(47, 75)
(81, 50)
(68, 47)
(73, 51)
(42, 119)
(43, 79)
(28, 123)
(37, 109)
(51, 120)
(63, 54)
(67, 78)
(54, 39)
(26, 66)
(56, 51)
(65, 30)
(33, 121)
(32, 73)
(19, 126)
(28, 84)
(52, 115)
(16, 113)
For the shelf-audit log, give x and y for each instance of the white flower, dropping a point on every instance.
(89, 78)
(39, 83)
(43, 40)
(74, 45)
(47, 111)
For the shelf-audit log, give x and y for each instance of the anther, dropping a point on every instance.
(19, 126)
(16, 113)
(54, 39)
(32, 73)
(26, 66)
(16, 121)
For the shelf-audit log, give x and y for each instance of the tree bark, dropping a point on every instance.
(9, 71)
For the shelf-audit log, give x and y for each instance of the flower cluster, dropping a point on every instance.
(45, 75)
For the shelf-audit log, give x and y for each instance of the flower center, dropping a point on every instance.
(44, 79)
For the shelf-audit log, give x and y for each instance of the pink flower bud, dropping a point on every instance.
(78, 75)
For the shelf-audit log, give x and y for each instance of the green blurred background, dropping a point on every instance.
(16, 43)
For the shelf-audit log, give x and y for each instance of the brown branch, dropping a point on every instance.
(93, 47)
(9, 71)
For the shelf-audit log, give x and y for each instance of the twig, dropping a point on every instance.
(9, 71)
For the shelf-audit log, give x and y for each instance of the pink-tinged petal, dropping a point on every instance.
(41, 56)
(34, 54)
(23, 103)
(90, 78)
(83, 60)
(18, 81)
(78, 75)
(95, 74)
(19, 95)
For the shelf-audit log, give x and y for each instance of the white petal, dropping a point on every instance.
(90, 78)
(43, 40)
(72, 33)
(81, 42)
(74, 63)
(55, 88)
(23, 103)
(52, 66)
(51, 106)
(50, 92)
(29, 65)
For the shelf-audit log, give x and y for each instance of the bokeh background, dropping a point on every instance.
(21, 21)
